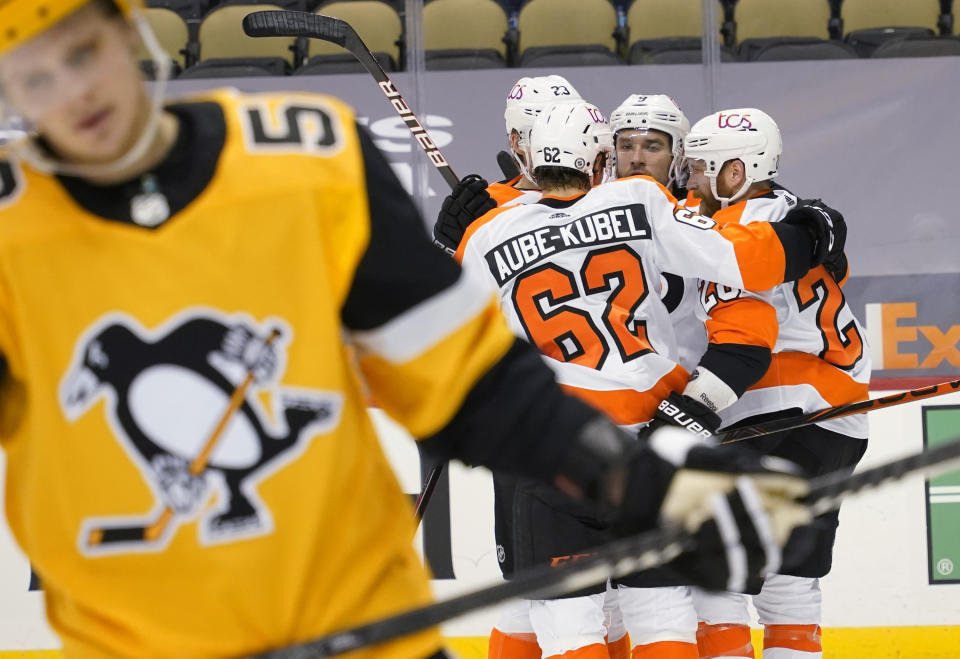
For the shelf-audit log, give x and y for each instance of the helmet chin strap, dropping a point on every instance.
(522, 166)
(28, 150)
(726, 201)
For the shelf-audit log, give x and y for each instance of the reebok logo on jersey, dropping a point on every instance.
(613, 225)
(683, 420)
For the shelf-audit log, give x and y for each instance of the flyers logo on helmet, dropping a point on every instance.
(596, 115)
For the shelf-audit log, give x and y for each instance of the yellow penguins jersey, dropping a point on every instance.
(580, 278)
(190, 465)
(819, 353)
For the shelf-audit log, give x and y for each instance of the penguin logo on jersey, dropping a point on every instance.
(184, 403)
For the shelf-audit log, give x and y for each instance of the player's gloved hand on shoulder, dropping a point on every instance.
(467, 201)
(836, 263)
(827, 230)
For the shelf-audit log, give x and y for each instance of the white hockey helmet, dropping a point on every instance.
(746, 134)
(570, 135)
(652, 112)
(527, 99)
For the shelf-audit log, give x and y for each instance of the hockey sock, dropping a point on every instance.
(512, 646)
(724, 640)
(792, 642)
(620, 648)
(665, 650)
(592, 651)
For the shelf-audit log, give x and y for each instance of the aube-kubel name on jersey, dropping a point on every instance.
(525, 250)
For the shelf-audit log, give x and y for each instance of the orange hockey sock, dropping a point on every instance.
(593, 651)
(803, 638)
(512, 646)
(724, 640)
(665, 650)
(619, 649)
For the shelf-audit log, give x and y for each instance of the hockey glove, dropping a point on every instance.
(836, 264)
(684, 412)
(827, 230)
(467, 201)
(741, 507)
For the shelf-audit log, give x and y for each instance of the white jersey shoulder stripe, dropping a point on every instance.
(420, 328)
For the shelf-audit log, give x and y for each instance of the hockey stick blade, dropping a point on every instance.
(508, 165)
(869, 405)
(618, 558)
(276, 23)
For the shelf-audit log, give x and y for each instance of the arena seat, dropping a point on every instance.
(567, 23)
(340, 63)
(450, 59)
(185, 8)
(225, 51)
(377, 23)
(799, 48)
(171, 31)
(237, 67)
(576, 55)
(673, 50)
(863, 14)
(918, 46)
(464, 24)
(782, 18)
(866, 41)
(656, 19)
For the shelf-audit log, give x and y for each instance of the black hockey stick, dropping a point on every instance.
(428, 487)
(619, 558)
(869, 405)
(508, 165)
(333, 30)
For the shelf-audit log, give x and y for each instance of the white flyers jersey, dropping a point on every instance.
(682, 298)
(820, 355)
(580, 278)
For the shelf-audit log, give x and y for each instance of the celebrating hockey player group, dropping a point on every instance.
(197, 296)
(629, 315)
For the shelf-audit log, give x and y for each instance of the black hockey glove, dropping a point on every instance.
(827, 230)
(740, 507)
(686, 413)
(467, 201)
(836, 264)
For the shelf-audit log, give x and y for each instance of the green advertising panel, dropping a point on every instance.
(941, 425)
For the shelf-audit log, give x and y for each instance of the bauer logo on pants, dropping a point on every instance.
(183, 402)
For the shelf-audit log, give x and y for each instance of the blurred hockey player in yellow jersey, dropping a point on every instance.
(190, 464)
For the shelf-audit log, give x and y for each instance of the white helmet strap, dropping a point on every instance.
(726, 201)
